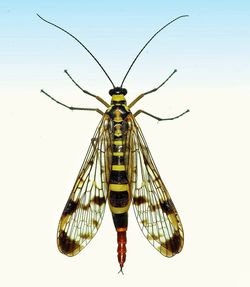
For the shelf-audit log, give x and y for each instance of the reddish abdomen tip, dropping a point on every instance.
(121, 249)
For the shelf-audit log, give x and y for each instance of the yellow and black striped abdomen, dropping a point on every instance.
(119, 196)
(119, 193)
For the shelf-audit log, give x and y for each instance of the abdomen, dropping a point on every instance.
(119, 193)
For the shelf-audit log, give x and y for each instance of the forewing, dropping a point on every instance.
(85, 207)
(154, 209)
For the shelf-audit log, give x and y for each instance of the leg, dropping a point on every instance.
(72, 108)
(159, 119)
(151, 91)
(86, 92)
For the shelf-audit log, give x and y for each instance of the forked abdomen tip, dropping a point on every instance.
(121, 271)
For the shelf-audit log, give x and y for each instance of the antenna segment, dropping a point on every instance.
(147, 44)
(81, 45)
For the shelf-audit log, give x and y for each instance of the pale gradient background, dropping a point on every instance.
(203, 157)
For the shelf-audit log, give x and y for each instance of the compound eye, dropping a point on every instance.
(124, 92)
(117, 91)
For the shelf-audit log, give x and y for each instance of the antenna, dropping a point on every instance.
(81, 45)
(147, 44)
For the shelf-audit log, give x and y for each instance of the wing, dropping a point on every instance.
(154, 209)
(85, 207)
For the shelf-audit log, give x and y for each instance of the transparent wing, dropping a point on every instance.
(85, 207)
(154, 209)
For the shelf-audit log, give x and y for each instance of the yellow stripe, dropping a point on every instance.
(117, 142)
(121, 229)
(119, 210)
(118, 153)
(118, 98)
(118, 119)
(118, 187)
(118, 133)
(118, 167)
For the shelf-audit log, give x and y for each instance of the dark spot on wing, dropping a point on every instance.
(99, 200)
(85, 236)
(85, 207)
(95, 223)
(139, 200)
(153, 237)
(67, 245)
(153, 207)
(167, 206)
(70, 207)
(174, 244)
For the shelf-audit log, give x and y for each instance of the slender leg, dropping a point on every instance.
(151, 91)
(157, 118)
(86, 92)
(72, 108)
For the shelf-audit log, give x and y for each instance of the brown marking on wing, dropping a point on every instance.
(67, 245)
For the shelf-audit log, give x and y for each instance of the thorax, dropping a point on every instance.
(118, 113)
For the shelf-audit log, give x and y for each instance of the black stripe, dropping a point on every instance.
(118, 177)
(120, 220)
(117, 148)
(118, 160)
(118, 138)
(119, 102)
(118, 198)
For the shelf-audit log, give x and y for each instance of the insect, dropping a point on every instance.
(119, 169)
